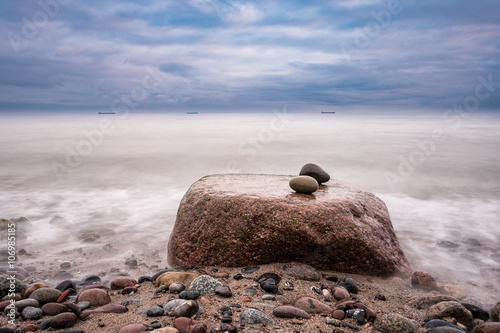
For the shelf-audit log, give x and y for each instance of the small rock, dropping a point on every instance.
(304, 184)
(63, 296)
(495, 312)
(380, 296)
(65, 265)
(93, 279)
(129, 290)
(66, 285)
(393, 323)
(333, 321)
(269, 282)
(311, 305)
(316, 172)
(127, 302)
(52, 309)
(32, 287)
(96, 297)
(167, 278)
(348, 283)
(187, 309)
(63, 320)
(340, 293)
(338, 314)
(489, 327)
(189, 294)
(31, 313)
(288, 286)
(268, 297)
(122, 282)
(133, 328)
(452, 290)
(427, 301)
(287, 311)
(435, 323)
(155, 311)
(108, 308)
(302, 271)
(46, 295)
(20, 305)
(176, 288)
(144, 278)
(450, 309)
(131, 263)
(254, 316)
(423, 280)
(83, 305)
(204, 284)
(250, 270)
(223, 291)
(477, 312)
(190, 325)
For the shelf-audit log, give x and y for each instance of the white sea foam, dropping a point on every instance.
(126, 182)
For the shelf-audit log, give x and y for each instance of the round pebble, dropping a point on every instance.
(316, 172)
(31, 313)
(155, 311)
(176, 288)
(304, 184)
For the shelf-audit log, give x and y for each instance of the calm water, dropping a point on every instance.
(123, 176)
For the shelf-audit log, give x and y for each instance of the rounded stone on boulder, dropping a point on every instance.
(95, 296)
(45, 295)
(304, 184)
(423, 280)
(316, 172)
(121, 282)
(394, 323)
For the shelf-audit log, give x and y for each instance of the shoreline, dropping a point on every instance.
(397, 293)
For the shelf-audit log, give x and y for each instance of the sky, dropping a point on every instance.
(226, 55)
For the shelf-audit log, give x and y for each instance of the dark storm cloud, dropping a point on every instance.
(234, 55)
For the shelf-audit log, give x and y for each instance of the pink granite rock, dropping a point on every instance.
(245, 220)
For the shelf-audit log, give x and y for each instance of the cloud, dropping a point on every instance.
(236, 55)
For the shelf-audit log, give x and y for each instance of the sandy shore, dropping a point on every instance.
(397, 293)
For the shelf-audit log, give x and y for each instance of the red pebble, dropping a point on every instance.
(128, 290)
(63, 297)
(338, 314)
(29, 328)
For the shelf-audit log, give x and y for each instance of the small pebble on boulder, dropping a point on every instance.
(315, 171)
(304, 184)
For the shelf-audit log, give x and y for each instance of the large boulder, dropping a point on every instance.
(244, 220)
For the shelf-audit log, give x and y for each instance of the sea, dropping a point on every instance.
(103, 181)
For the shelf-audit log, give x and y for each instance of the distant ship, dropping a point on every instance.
(106, 113)
(191, 112)
(327, 112)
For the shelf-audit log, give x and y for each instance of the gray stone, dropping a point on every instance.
(315, 171)
(255, 316)
(20, 305)
(173, 304)
(223, 291)
(46, 295)
(187, 309)
(204, 284)
(189, 294)
(155, 311)
(5, 286)
(268, 297)
(83, 305)
(304, 184)
(394, 323)
(176, 288)
(31, 313)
